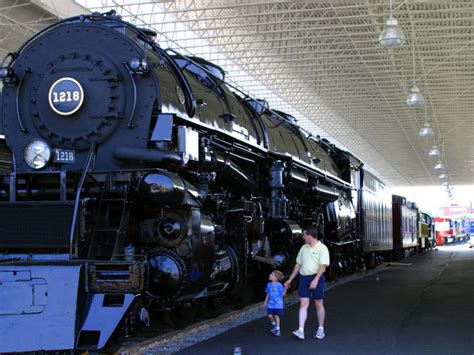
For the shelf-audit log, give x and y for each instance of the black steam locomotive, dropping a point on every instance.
(140, 181)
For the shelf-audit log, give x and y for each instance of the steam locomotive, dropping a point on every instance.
(140, 180)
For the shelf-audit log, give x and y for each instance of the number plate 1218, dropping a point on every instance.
(64, 156)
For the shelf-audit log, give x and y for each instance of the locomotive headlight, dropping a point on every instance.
(37, 154)
(134, 63)
(138, 66)
(4, 72)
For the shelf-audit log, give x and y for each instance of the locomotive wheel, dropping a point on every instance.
(182, 315)
(116, 340)
(215, 306)
(369, 261)
(329, 273)
(243, 297)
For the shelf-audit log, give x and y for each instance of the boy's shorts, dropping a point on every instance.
(305, 292)
(275, 311)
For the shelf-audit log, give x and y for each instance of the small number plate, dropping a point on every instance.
(64, 156)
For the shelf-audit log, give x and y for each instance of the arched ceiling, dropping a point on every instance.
(321, 61)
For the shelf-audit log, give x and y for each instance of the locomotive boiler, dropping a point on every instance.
(139, 180)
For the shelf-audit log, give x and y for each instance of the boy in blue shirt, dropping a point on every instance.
(274, 300)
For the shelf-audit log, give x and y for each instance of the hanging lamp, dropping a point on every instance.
(439, 165)
(426, 130)
(434, 151)
(392, 36)
(415, 98)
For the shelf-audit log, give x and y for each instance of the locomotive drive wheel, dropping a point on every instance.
(116, 340)
(215, 306)
(242, 298)
(329, 274)
(183, 314)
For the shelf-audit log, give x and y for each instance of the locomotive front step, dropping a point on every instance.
(115, 277)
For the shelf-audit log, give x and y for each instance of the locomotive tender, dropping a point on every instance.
(140, 181)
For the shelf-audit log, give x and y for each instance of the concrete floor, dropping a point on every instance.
(425, 308)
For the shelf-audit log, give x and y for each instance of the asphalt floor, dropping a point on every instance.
(425, 305)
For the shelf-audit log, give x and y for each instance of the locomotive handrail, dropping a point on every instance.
(17, 101)
(258, 119)
(212, 77)
(85, 171)
(191, 99)
(134, 104)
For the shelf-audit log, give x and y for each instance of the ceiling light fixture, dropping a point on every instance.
(392, 36)
(434, 151)
(439, 165)
(442, 176)
(426, 130)
(415, 98)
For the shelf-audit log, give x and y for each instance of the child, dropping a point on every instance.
(274, 300)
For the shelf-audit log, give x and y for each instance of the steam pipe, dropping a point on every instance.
(146, 155)
(233, 172)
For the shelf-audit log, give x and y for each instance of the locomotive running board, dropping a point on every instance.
(38, 307)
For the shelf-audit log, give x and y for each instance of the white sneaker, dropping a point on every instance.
(299, 334)
(320, 333)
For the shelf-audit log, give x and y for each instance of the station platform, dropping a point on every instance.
(424, 305)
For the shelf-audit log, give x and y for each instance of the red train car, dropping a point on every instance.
(444, 230)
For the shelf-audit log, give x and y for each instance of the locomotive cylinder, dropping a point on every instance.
(174, 275)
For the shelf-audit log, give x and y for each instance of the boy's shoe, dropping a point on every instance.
(299, 334)
(320, 333)
(277, 332)
(273, 328)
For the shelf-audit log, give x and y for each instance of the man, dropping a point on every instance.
(311, 262)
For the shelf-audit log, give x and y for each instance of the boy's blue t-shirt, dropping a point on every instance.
(275, 295)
